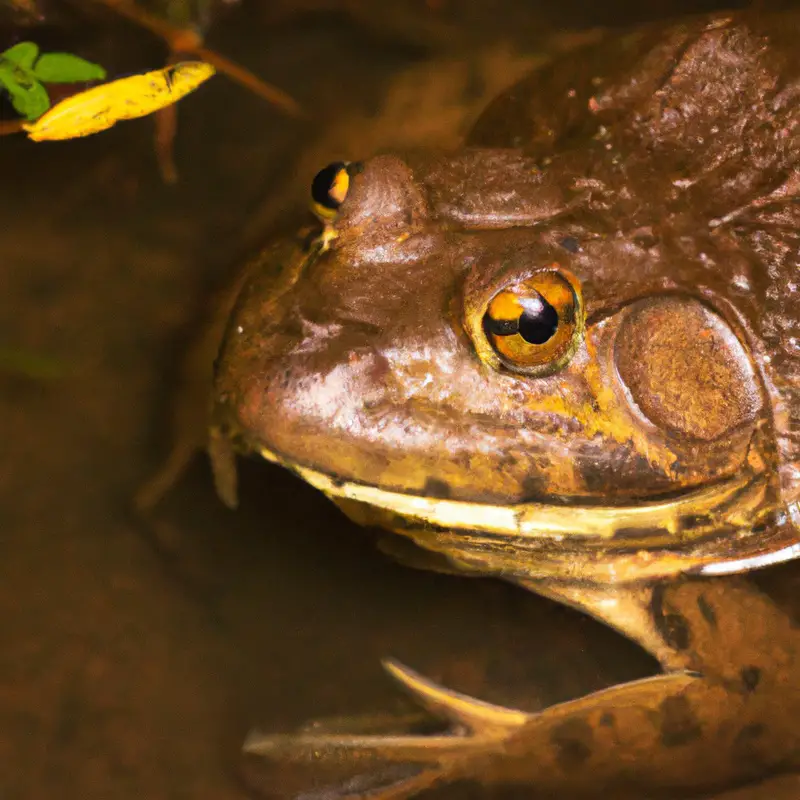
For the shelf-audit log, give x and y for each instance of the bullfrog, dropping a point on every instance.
(565, 354)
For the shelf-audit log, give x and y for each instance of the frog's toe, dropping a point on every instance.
(464, 713)
(333, 767)
(388, 767)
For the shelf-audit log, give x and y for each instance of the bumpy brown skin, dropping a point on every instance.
(668, 186)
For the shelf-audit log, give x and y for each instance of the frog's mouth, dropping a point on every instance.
(728, 527)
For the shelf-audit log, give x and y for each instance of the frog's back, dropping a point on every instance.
(662, 87)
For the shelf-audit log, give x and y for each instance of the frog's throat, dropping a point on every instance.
(730, 526)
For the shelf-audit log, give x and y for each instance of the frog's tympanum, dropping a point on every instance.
(568, 355)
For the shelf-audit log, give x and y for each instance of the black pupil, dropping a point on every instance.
(322, 184)
(539, 320)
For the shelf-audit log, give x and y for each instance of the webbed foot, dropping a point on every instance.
(389, 766)
(478, 740)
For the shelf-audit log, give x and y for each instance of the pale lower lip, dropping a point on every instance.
(543, 521)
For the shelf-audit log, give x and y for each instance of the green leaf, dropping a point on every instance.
(28, 96)
(13, 76)
(66, 68)
(22, 55)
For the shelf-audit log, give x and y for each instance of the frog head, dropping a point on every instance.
(517, 366)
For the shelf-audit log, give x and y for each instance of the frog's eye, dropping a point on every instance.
(535, 325)
(329, 190)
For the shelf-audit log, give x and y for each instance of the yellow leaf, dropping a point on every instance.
(100, 107)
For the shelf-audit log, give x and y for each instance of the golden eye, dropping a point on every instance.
(329, 190)
(535, 325)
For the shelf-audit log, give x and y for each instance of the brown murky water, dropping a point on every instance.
(132, 665)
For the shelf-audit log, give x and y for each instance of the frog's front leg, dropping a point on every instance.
(734, 721)
(727, 716)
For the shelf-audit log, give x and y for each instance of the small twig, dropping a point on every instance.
(250, 81)
(10, 126)
(181, 40)
(154, 24)
(166, 128)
